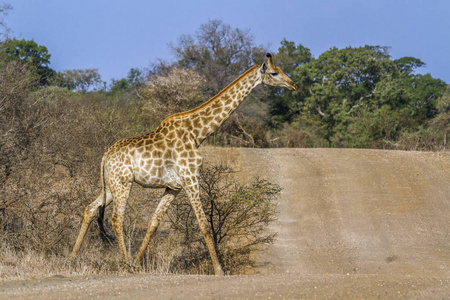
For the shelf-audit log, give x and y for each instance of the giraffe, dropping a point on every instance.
(169, 158)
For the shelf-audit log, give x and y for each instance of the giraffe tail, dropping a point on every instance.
(108, 239)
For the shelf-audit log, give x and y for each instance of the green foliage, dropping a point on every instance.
(361, 96)
(34, 56)
(79, 80)
(133, 81)
(424, 92)
(283, 106)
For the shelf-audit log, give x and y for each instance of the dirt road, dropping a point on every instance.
(353, 224)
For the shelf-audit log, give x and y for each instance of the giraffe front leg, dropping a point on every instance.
(192, 190)
(166, 199)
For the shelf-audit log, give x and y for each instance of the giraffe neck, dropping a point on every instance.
(208, 117)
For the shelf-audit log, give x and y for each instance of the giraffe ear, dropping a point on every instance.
(269, 60)
(263, 68)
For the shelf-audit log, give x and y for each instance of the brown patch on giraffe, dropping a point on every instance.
(168, 154)
(228, 101)
(157, 154)
(217, 111)
(164, 130)
(206, 120)
(205, 132)
(139, 150)
(192, 160)
(158, 136)
(203, 113)
(159, 145)
(140, 143)
(192, 154)
(196, 122)
(216, 105)
(215, 124)
(188, 180)
(171, 135)
(154, 172)
(170, 143)
(196, 132)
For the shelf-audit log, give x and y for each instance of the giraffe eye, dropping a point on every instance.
(274, 74)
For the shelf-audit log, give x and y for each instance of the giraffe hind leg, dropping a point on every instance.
(89, 214)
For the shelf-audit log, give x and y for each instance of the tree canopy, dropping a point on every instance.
(218, 52)
(350, 97)
(34, 56)
(358, 95)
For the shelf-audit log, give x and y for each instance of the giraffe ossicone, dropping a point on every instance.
(168, 157)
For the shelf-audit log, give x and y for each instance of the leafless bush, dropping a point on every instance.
(238, 213)
(51, 146)
(177, 91)
(17, 118)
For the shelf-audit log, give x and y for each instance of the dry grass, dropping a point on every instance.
(49, 171)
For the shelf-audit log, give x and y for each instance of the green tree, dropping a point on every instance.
(360, 96)
(282, 103)
(133, 81)
(80, 80)
(34, 56)
(424, 93)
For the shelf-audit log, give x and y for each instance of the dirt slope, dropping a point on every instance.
(352, 223)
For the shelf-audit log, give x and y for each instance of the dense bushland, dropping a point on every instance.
(54, 139)
(55, 126)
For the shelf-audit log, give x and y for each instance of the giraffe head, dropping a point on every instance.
(273, 75)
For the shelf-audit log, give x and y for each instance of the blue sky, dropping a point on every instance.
(115, 36)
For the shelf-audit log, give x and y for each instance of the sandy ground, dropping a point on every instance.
(353, 224)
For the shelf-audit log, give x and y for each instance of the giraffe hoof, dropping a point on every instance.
(219, 272)
(72, 257)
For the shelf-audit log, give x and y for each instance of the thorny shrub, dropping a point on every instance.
(238, 215)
